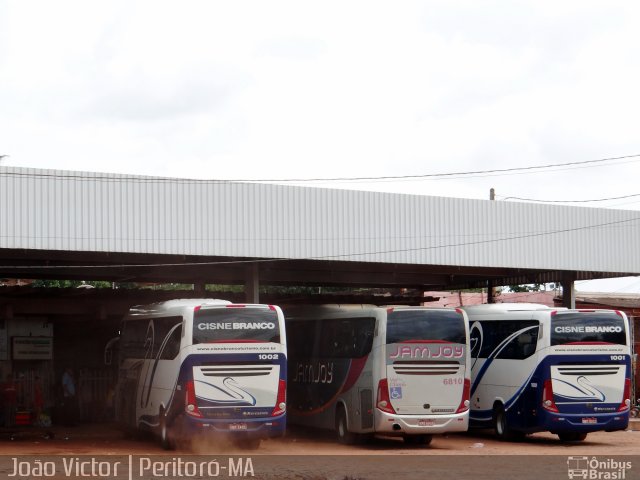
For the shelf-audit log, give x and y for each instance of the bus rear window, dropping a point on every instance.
(587, 327)
(414, 325)
(228, 324)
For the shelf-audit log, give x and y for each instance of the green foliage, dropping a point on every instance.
(70, 284)
(530, 287)
(167, 286)
(224, 288)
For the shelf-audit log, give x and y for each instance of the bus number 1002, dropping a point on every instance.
(268, 356)
(453, 381)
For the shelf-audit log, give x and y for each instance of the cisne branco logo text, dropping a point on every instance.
(594, 468)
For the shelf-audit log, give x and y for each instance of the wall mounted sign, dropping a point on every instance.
(32, 348)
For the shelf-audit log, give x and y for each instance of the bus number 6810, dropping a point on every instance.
(453, 381)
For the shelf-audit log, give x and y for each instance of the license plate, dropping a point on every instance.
(589, 420)
(237, 426)
(426, 422)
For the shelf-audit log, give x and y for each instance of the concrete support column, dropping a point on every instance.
(199, 289)
(490, 292)
(252, 284)
(568, 289)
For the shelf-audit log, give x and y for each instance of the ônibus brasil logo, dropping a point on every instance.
(597, 469)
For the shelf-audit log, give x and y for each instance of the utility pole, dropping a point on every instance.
(492, 291)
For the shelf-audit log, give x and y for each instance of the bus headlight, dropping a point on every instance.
(191, 408)
(383, 404)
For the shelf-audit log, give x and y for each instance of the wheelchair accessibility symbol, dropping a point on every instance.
(395, 393)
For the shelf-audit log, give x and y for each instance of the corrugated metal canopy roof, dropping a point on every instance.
(298, 234)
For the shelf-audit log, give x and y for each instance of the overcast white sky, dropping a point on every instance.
(255, 90)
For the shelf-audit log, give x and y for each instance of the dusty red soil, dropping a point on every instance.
(313, 455)
(106, 440)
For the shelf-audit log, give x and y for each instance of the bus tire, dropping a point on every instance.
(572, 436)
(423, 439)
(501, 426)
(252, 444)
(344, 435)
(247, 443)
(165, 433)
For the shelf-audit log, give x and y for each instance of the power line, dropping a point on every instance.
(572, 201)
(326, 257)
(499, 171)
(467, 174)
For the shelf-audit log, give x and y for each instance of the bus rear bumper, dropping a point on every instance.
(584, 423)
(263, 428)
(388, 424)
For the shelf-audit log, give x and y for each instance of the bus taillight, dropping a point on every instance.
(547, 397)
(190, 400)
(281, 400)
(384, 402)
(466, 395)
(626, 397)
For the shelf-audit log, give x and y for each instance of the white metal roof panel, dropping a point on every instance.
(61, 210)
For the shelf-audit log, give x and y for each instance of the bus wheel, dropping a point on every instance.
(249, 443)
(572, 436)
(501, 426)
(165, 433)
(418, 439)
(344, 435)
(253, 444)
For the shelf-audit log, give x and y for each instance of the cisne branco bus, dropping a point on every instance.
(364, 370)
(203, 367)
(536, 368)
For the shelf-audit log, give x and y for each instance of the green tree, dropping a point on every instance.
(529, 287)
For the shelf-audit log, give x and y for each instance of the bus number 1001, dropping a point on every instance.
(453, 381)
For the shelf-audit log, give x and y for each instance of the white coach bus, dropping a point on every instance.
(536, 368)
(203, 366)
(365, 370)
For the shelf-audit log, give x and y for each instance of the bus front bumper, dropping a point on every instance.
(400, 425)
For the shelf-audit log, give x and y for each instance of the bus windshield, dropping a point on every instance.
(587, 327)
(416, 325)
(235, 324)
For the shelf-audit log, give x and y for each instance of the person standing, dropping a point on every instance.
(84, 395)
(9, 401)
(69, 396)
(38, 400)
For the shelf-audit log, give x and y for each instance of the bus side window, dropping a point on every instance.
(523, 345)
(527, 344)
(364, 337)
(172, 347)
(133, 339)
